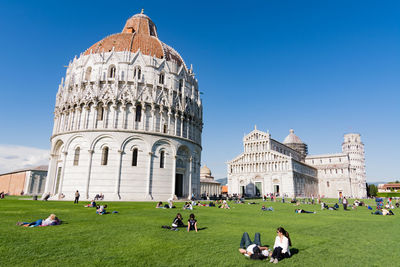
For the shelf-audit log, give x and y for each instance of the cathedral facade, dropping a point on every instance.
(269, 166)
(127, 121)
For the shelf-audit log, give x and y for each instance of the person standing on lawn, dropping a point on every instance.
(77, 195)
(345, 203)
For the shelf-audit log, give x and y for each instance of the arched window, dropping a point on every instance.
(76, 156)
(165, 128)
(137, 72)
(161, 78)
(111, 72)
(162, 159)
(100, 112)
(104, 156)
(134, 157)
(138, 113)
(88, 73)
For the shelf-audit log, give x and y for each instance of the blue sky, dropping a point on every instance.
(323, 68)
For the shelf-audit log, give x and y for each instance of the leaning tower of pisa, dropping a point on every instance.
(354, 148)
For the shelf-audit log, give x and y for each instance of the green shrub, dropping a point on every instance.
(388, 194)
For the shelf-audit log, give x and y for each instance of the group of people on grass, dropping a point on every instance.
(178, 222)
(255, 250)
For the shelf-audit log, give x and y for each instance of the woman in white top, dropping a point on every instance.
(281, 246)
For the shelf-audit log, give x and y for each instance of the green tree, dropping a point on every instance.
(372, 190)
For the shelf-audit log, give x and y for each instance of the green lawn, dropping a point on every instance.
(134, 236)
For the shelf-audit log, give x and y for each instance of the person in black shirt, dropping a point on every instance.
(192, 223)
(177, 222)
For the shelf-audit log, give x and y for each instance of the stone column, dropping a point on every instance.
(173, 176)
(132, 124)
(85, 122)
(94, 116)
(176, 123)
(181, 131)
(105, 116)
(161, 120)
(188, 128)
(114, 119)
(143, 117)
(118, 175)
(169, 121)
(190, 177)
(78, 117)
(88, 173)
(153, 118)
(123, 110)
(148, 195)
(62, 173)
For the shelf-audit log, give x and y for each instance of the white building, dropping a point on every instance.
(268, 166)
(127, 121)
(208, 185)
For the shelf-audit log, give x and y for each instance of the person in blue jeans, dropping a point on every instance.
(254, 250)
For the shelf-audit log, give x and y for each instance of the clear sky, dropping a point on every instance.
(323, 68)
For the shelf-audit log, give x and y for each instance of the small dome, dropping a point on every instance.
(292, 138)
(205, 171)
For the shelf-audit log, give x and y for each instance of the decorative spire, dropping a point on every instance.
(255, 127)
(141, 12)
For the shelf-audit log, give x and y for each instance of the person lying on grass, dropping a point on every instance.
(384, 212)
(101, 210)
(192, 223)
(160, 205)
(303, 211)
(91, 205)
(51, 220)
(253, 250)
(263, 208)
(281, 246)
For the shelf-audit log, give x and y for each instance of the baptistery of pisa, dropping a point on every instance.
(127, 121)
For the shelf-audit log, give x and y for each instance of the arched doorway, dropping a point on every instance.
(182, 175)
(57, 161)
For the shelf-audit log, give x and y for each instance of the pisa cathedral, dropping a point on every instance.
(127, 121)
(269, 166)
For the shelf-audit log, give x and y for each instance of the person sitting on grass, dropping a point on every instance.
(177, 222)
(160, 205)
(281, 246)
(192, 223)
(383, 212)
(253, 250)
(91, 205)
(51, 220)
(101, 210)
(303, 211)
(188, 206)
(224, 205)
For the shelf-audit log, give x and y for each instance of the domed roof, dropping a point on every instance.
(292, 138)
(139, 33)
(205, 171)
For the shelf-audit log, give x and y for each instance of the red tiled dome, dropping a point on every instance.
(139, 33)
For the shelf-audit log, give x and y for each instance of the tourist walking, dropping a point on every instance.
(77, 195)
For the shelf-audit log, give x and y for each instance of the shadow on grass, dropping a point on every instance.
(294, 251)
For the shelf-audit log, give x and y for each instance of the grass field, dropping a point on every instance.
(134, 236)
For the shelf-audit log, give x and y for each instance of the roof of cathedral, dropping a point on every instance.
(139, 33)
(205, 170)
(292, 138)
